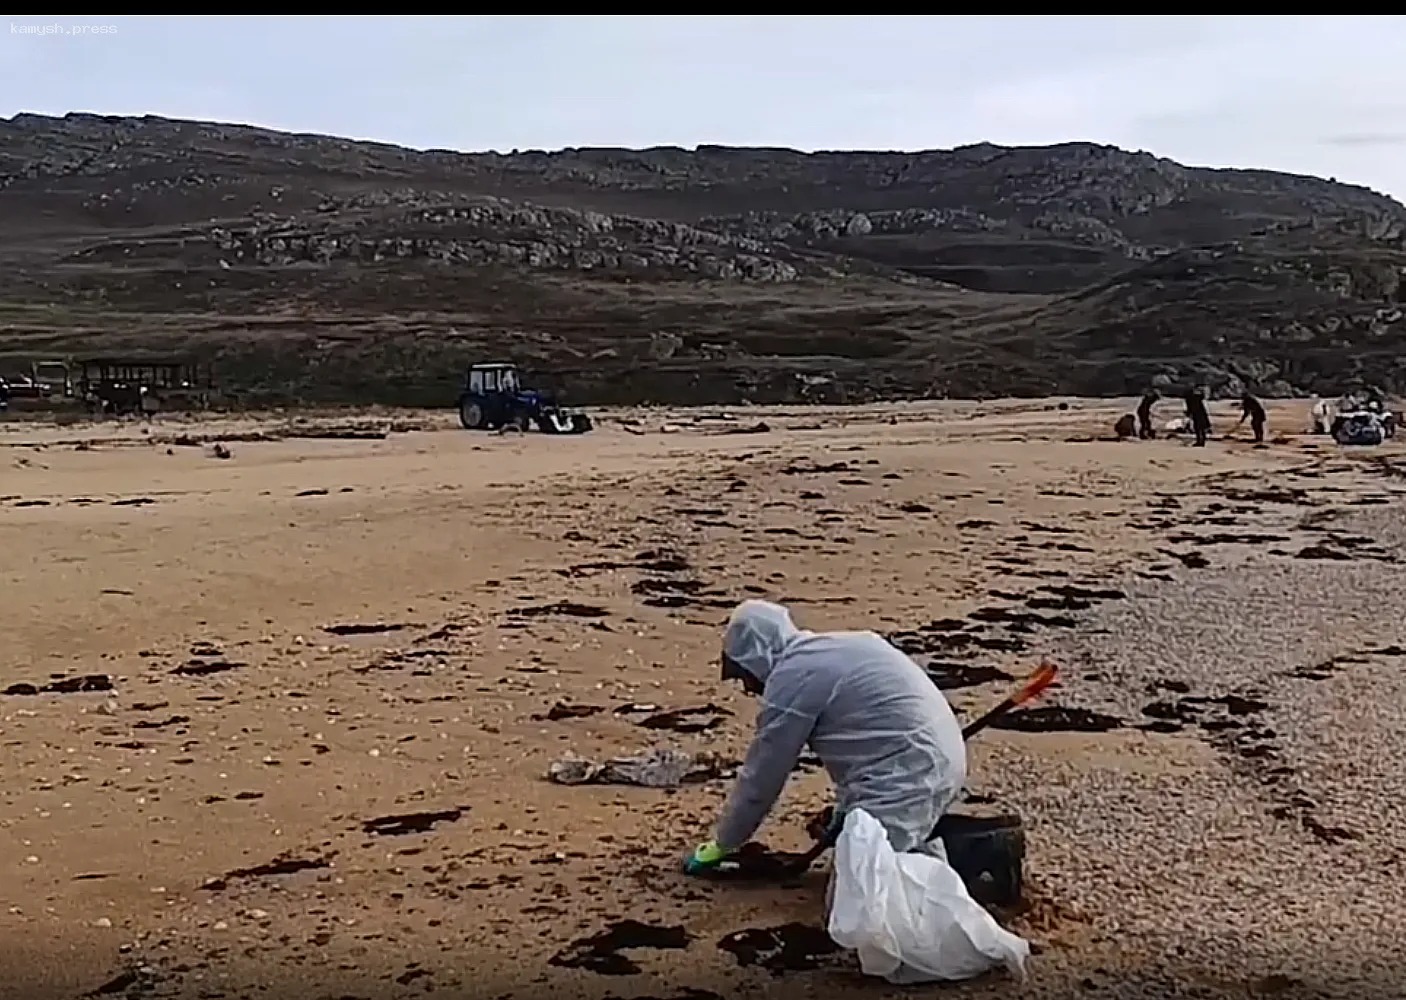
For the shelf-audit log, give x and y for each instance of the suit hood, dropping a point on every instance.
(757, 635)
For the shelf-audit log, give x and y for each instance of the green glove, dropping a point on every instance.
(706, 856)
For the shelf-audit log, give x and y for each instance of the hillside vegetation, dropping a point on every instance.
(321, 269)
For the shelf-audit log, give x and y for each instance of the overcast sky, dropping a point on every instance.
(1323, 95)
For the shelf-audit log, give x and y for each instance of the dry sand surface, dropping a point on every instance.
(1222, 818)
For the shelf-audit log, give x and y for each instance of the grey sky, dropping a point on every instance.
(1322, 94)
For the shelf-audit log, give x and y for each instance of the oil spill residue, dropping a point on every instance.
(1322, 671)
(1227, 538)
(789, 947)
(949, 676)
(1042, 603)
(1073, 592)
(399, 826)
(570, 609)
(1063, 547)
(661, 561)
(600, 953)
(936, 639)
(687, 720)
(684, 601)
(67, 685)
(1191, 560)
(561, 710)
(174, 720)
(1191, 709)
(1320, 552)
(755, 862)
(363, 628)
(1323, 832)
(1232, 721)
(680, 594)
(1325, 670)
(651, 585)
(1056, 719)
(77, 685)
(998, 629)
(120, 983)
(813, 469)
(1268, 494)
(202, 668)
(278, 866)
(1339, 545)
(1208, 714)
(1048, 529)
(675, 592)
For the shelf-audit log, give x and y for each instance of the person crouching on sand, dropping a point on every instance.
(885, 733)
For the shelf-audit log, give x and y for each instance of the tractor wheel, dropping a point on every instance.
(471, 415)
(580, 423)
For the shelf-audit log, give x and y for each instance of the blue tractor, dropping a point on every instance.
(493, 399)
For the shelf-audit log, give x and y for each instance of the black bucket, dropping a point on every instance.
(988, 852)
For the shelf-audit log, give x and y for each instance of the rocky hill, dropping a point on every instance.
(322, 268)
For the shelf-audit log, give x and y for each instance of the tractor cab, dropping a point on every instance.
(493, 378)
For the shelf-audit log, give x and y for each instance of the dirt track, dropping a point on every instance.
(240, 731)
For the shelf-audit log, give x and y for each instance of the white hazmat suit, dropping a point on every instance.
(881, 727)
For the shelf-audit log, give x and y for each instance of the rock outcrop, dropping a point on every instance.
(472, 233)
(325, 268)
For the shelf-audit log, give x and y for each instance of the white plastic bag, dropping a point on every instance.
(909, 916)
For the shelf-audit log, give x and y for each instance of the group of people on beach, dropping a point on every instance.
(1197, 417)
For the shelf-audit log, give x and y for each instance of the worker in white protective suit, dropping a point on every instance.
(883, 730)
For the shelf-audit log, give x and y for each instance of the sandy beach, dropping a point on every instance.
(280, 722)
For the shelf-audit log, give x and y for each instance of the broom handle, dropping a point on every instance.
(1033, 687)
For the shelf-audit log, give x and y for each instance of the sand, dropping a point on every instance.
(241, 730)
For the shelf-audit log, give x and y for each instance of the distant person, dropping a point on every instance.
(1324, 412)
(1124, 427)
(1253, 410)
(1144, 415)
(1196, 413)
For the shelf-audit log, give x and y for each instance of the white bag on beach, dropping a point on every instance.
(909, 916)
